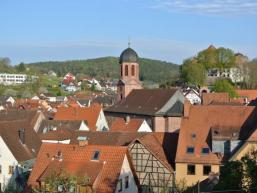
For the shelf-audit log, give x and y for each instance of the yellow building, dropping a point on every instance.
(209, 135)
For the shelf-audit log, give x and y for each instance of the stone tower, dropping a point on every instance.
(129, 73)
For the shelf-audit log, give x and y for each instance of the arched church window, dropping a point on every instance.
(126, 70)
(121, 70)
(133, 70)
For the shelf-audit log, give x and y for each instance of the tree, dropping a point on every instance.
(193, 72)
(240, 175)
(251, 80)
(223, 85)
(10, 92)
(225, 58)
(21, 67)
(231, 176)
(249, 162)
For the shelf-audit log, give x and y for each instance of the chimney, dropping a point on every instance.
(127, 119)
(187, 106)
(21, 133)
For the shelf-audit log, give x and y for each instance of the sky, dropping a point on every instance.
(169, 30)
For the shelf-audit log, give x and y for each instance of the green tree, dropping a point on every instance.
(223, 85)
(21, 67)
(249, 162)
(10, 92)
(225, 58)
(231, 176)
(240, 175)
(193, 72)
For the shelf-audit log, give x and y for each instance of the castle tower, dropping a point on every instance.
(129, 73)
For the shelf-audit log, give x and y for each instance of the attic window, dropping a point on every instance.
(96, 155)
(190, 150)
(216, 132)
(193, 135)
(205, 150)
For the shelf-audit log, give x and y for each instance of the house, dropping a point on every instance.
(6, 101)
(52, 73)
(209, 98)
(248, 145)
(235, 74)
(19, 147)
(129, 125)
(93, 116)
(69, 77)
(71, 87)
(62, 129)
(161, 108)
(193, 96)
(34, 117)
(151, 162)
(209, 136)
(11, 79)
(107, 168)
(148, 151)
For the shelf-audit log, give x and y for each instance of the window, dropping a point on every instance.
(0, 169)
(133, 70)
(193, 135)
(121, 70)
(120, 185)
(96, 155)
(206, 170)
(205, 150)
(11, 169)
(126, 70)
(126, 182)
(190, 169)
(190, 150)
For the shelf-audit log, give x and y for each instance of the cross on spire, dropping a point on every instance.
(129, 42)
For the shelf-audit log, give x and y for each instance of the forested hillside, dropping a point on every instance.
(108, 67)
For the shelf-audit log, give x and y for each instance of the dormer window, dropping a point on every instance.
(190, 150)
(96, 155)
(205, 150)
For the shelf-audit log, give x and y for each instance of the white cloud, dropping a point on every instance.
(210, 7)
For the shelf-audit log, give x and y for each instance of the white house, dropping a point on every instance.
(92, 116)
(193, 96)
(9, 79)
(130, 125)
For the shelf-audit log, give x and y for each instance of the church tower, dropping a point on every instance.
(129, 73)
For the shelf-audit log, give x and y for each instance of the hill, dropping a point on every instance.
(108, 67)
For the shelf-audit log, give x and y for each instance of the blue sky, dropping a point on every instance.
(171, 30)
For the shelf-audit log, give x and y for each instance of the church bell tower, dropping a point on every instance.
(129, 73)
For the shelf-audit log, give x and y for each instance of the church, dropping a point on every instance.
(161, 108)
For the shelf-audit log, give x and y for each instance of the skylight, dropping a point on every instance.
(190, 150)
(96, 155)
(205, 150)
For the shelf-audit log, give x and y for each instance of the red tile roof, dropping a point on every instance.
(200, 121)
(75, 157)
(88, 114)
(208, 98)
(249, 94)
(9, 131)
(120, 125)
